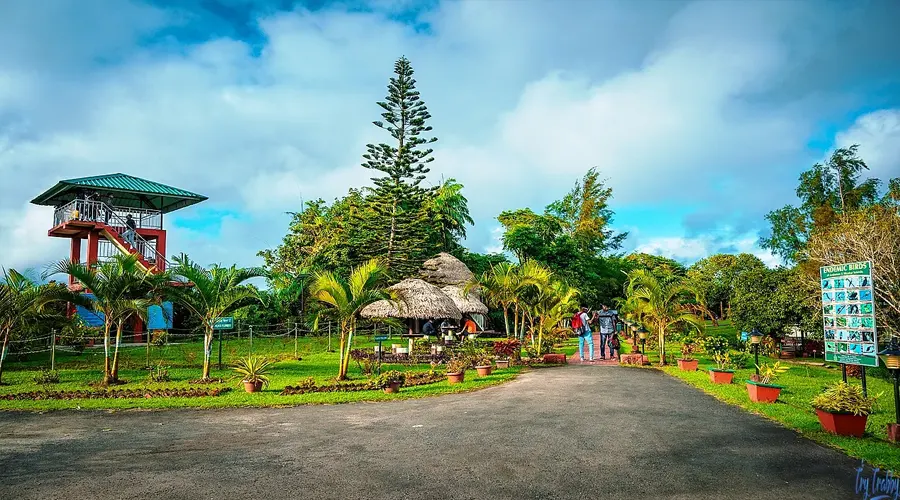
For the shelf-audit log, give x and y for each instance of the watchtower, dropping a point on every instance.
(115, 213)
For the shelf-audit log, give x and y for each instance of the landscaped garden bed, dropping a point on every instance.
(115, 394)
(412, 379)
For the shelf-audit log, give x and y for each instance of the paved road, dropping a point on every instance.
(573, 432)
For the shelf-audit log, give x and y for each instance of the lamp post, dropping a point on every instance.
(891, 357)
(755, 339)
(642, 333)
(634, 339)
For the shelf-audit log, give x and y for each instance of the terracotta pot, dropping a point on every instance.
(842, 424)
(502, 364)
(893, 432)
(456, 378)
(720, 376)
(483, 371)
(252, 386)
(393, 388)
(688, 365)
(763, 393)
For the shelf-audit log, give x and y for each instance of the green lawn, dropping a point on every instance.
(794, 409)
(78, 372)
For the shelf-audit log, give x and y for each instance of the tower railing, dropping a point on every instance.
(91, 210)
(97, 211)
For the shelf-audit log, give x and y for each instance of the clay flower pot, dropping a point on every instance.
(253, 386)
(688, 365)
(720, 376)
(842, 424)
(502, 363)
(763, 393)
(483, 371)
(393, 388)
(456, 378)
(893, 432)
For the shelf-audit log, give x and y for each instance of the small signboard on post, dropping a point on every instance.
(848, 311)
(224, 323)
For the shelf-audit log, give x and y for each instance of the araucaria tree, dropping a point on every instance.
(346, 298)
(663, 306)
(397, 198)
(210, 293)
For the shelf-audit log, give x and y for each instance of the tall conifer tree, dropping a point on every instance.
(397, 197)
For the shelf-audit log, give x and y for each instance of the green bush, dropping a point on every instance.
(47, 377)
(844, 398)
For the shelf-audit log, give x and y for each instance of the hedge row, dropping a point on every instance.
(115, 394)
(412, 379)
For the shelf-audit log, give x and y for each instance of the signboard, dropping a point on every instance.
(224, 323)
(380, 338)
(848, 310)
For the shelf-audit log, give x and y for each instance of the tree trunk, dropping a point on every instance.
(3, 353)
(516, 321)
(107, 373)
(506, 321)
(662, 347)
(346, 363)
(390, 250)
(114, 374)
(207, 350)
(341, 374)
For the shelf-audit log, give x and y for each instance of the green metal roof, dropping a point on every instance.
(127, 191)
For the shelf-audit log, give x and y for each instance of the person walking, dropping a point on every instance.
(581, 328)
(607, 320)
(614, 346)
(130, 227)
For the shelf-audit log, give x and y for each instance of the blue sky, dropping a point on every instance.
(700, 114)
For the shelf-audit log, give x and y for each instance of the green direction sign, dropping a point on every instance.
(380, 338)
(224, 323)
(848, 312)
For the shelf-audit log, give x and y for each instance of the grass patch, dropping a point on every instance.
(79, 372)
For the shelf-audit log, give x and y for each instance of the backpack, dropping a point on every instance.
(576, 322)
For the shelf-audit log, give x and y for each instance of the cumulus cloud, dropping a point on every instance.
(878, 134)
(691, 103)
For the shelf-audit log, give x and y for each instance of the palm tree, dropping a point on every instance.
(553, 303)
(212, 293)
(346, 298)
(451, 212)
(22, 300)
(121, 290)
(498, 288)
(662, 305)
(533, 279)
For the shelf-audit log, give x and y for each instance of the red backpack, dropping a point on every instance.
(576, 321)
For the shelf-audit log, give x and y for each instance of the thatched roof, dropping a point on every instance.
(445, 270)
(415, 299)
(467, 304)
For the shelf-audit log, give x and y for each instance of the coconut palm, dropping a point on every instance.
(498, 288)
(22, 300)
(663, 306)
(533, 280)
(346, 298)
(122, 290)
(450, 212)
(553, 303)
(211, 293)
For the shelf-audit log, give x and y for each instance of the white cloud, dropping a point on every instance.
(690, 250)
(675, 103)
(878, 134)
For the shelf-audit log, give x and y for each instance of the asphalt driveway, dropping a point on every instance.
(573, 432)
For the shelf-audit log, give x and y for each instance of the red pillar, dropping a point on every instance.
(138, 330)
(161, 250)
(75, 255)
(93, 247)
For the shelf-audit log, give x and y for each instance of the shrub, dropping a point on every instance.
(844, 398)
(253, 369)
(715, 345)
(47, 377)
(159, 374)
(390, 377)
(739, 359)
(508, 348)
(457, 365)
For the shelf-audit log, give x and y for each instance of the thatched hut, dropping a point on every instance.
(467, 303)
(445, 270)
(416, 299)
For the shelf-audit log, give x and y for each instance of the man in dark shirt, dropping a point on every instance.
(607, 320)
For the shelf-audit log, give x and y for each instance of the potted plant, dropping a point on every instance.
(687, 361)
(723, 373)
(456, 371)
(254, 372)
(764, 391)
(483, 365)
(506, 350)
(843, 409)
(391, 381)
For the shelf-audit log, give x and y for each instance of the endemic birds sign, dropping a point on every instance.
(848, 310)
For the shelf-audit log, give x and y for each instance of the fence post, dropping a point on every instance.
(220, 349)
(296, 345)
(148, 348)
(53, 351)
(251, 340)
(329, 335)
